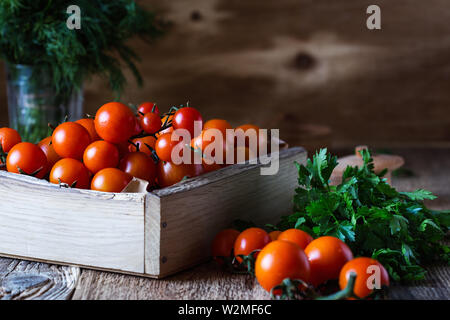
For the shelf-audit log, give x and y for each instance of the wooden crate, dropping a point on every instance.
(151, 234)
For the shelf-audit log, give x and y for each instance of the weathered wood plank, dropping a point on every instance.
(20, 280)
(207, 281)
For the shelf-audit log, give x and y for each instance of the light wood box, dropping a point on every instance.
(150, 234)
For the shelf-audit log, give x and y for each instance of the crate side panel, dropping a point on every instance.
(70, 226)
(152, 234)
(192, 218)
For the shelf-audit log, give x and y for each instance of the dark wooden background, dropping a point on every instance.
(289, 63)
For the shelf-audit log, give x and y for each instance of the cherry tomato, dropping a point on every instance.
(89, 125)
(150, 123)
(70, 171)
(280, 260)
(364, 268)
(223, 244)
(139, 165)
(110, 180)
(167, 119)
(327, 255)
(100, 155)
(164, 146)
(142, 143)
(261, 139)
(147, 107)
(52, 157)
(219, 124)
(184, 118)
(9, 138)
(115, 122)
(70, 139)
(274, 235)
(124, 148)
(27, 157)
(137, 127)
(169, 173)
(206, 143)
(250, 240)
(299, 237)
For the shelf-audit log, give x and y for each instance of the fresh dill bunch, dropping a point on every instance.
(34, 32)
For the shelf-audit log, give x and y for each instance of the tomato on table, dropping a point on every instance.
(9, 138)
(250, 240)
(89, 125)
(364, 268)
(223, 244)
(299, 237)
(185, 118)
(280, 260)
(100, 155)
(70, 139)
(169, 173)
(115, 122)
(72, 172)
(110, 180)
(28, 158)
(139, 165)
(327, 255)
(52, 157)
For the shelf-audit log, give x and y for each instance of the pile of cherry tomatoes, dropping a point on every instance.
(295, 256)
(105, 152)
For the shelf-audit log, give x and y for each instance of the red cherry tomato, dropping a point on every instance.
(70, 139)
(364, 268)
(147, 107)
(184, 118)
(144, 143)
(115, 122)
(110, 180)
(299, 237)
(9, 138)
(27, 157)
(52, 157)
(223, 244)
(280, 260)
(150, 123)
(169, 173)
(100, 155)
(139, 165)
(70, 171)
(89, 125)
(164, 146)
(327, 255)
(250, 240)
(219, 124)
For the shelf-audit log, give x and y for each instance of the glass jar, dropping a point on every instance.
(33, 102)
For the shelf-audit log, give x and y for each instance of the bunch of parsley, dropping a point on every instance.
(373, 218)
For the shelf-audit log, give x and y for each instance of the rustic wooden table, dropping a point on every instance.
(30, 280)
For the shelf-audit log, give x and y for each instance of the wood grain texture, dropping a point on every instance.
(24, 280)
(42, 221)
